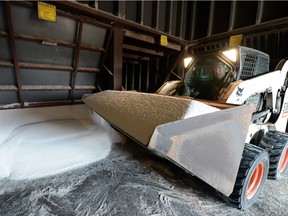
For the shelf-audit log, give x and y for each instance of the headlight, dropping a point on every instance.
(187, 61)
(231, 54)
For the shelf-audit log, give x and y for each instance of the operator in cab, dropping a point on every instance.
(219, 72)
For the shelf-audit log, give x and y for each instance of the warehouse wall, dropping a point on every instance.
(201, 20)
(43, 61)
(192, 20)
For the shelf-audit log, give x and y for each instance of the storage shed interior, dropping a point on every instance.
(98, 45)
(59, 159)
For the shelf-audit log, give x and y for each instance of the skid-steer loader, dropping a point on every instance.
(240, 75)
(228, 132)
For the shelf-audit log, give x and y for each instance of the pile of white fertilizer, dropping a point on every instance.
(51, 144)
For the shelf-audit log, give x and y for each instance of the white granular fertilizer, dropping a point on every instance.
(51, 141)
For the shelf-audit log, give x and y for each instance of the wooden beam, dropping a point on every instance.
(117, 57)
(6, 64)
(14, 52)
(8, 88)
(45, 87)
(85, 87)
(76, 58)
(45, 66)
(142, 50)
(81, 9)
(88, 70)
(151, 40)
(3, 34)
(139, 36)
(276, 25)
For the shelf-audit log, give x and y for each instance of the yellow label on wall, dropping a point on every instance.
(164, 40)
(235, 40)
(46, 12)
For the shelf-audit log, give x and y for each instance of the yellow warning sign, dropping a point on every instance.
(46, 12)
(164, 40)
(235, 40)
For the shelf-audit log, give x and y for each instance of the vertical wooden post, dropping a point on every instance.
(76, 59)
(117, 56)
(14, 52)
(193, 23)
(211, 19)
(232, 15)
(260, 11)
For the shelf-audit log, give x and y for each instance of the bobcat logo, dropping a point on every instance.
(239, 91)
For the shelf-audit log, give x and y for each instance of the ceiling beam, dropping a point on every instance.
(142, 50)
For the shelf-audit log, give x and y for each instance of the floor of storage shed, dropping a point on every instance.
(128, 181)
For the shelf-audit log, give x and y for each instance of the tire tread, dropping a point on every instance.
(274, 143)
(250, 154)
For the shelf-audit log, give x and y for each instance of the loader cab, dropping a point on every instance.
(206, 76)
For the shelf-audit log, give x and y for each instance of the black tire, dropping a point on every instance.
(276, 144)
(253, 168)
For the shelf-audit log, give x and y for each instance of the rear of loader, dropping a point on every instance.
(201, 139)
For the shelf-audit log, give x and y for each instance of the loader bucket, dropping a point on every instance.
(203, 140)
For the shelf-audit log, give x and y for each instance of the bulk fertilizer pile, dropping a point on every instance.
(39, 142)
(45, 141)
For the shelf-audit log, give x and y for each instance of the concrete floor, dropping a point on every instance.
(129, 181)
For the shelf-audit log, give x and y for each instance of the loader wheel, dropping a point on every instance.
(276, 144)
(251, 177)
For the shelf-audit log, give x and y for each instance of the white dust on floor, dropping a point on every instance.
(48, 147)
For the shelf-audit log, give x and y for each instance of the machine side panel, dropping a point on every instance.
(209, 146)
